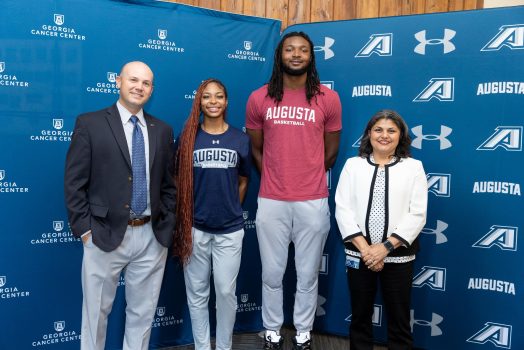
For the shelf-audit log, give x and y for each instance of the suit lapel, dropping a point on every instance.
(115, 122)
(152, 136)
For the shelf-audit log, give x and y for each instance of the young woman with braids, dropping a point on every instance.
(213, 161)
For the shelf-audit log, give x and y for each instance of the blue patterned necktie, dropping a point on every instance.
(138, 162)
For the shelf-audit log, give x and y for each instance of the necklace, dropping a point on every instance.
(219, 131)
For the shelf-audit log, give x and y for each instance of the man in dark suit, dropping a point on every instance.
(120, 198)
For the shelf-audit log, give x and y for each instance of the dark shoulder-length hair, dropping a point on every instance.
(403, 149)
(275, 87)
(182, 244)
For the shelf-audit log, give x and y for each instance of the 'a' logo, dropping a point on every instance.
(505, 237)
(496, 333)
(329, 84)
(162, 34)
(506, 137)
(3, 280)
(2, 66)
(439, 184)
(326, 48)
(59, 19)
(447, 45)
(433, 277)
(445, 131)
(356, 144)
(59, 326)
(376, 318)
(248, 45)
(2, 174)
(441, 89)
(379, 44)
(510, 36)
(440, 237)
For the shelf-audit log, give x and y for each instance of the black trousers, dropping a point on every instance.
(395, 281)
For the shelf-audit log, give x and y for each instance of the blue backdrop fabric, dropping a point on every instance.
(59, 58)
(456, 78)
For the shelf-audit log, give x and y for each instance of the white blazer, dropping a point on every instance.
(406, 198)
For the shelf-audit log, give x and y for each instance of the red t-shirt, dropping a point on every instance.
(293, 152)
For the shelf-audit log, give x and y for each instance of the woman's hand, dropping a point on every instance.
(375, 255)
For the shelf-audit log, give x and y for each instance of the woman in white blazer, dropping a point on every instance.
(381, 204)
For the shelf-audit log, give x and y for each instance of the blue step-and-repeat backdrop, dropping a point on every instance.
(457, 78)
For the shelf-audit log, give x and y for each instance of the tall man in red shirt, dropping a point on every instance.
(294, 123)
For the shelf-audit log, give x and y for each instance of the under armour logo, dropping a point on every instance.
(440, 237)
(328, 53)
(320, 310)
(216, 142)
(446, 43)
(436, 319)
(444, 132)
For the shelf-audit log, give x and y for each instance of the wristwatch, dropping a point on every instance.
(389, 246)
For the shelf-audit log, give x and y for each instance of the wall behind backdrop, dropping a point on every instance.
(302, 11)
(455, 83)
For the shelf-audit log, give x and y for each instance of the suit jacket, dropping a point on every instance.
(98, 178)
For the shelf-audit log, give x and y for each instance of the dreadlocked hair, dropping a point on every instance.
(275, 87)
(183, 243)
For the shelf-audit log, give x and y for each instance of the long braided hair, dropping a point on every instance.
(183, 243)
(275, 88)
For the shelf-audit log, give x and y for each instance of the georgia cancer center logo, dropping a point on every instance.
(53, 135)
(107, 86)
(246, 53)
(10, 79)
(57, 29)
(160, 43)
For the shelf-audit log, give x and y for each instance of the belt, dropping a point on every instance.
(139, 222)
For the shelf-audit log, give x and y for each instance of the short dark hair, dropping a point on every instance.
(403, 149)
(275, 88)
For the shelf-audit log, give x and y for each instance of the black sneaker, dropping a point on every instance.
(301, 346)
(273, 345)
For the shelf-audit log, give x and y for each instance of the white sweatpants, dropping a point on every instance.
(220, 254)
(306, 224)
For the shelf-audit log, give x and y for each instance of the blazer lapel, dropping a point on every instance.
(113, 118)
(152, 135)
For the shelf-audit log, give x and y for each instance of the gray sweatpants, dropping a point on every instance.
(306, 224)
(220, 254)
